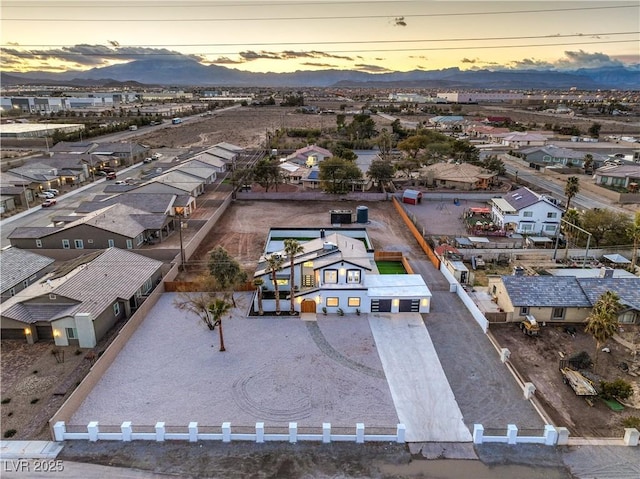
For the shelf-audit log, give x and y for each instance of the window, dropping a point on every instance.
(330, 276)
(66, 244)
(558, 313)
(525, 227)
(72, 333)
(129, 244)
(627, 318)
(524, 310)
(354, 302)
(353, 276)
(78, 244)
(52, 296)
(111, 243)
(552, 215)
(90, 241)
(550, 228)
(39, 243)
(116, 309)
(527, 214)
(333, 302)
(282, 281)
(140, 239)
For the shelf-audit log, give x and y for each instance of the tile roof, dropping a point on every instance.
(18, 265)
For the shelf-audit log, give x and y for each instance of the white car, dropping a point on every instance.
(53, 191)
(46, 195)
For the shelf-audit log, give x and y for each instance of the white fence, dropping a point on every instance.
(455, 287)
(192, 433)
(549, 438)
(552, 436)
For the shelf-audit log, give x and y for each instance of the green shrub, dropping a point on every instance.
(10, 433)
(619, 389)
(5, 401)
(631, 421)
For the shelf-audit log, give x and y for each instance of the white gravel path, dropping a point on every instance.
(273, 371)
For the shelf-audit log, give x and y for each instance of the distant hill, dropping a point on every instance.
(188, 72)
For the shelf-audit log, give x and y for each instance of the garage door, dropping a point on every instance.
(380, 305)
(409, 305)
(12, 333)
(45, 333)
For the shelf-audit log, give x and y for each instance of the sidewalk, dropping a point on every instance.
(29, 450)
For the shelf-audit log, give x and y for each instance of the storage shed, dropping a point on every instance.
(412, 197)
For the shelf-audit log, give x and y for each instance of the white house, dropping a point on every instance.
(525, 212)
(338, 272)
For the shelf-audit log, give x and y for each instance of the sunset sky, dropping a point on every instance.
(288, 35)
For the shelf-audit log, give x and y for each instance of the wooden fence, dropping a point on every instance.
(416, 234)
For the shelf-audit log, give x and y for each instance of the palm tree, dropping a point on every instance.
(258, 282)
(602, 323)
(634, 232)
(588, 163)
(571, 189)
(292, 248)
(572, 217)
(218, 308)
(274, 263)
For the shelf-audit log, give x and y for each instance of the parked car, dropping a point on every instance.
(101, 173)
(147, 160)
(45, 195)
(121, 182)
(53, 191)
(156, 156)
(111, 176)
(48, 203)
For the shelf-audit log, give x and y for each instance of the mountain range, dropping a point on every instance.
(187, 72)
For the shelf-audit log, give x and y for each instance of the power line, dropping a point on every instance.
(130, 55)
(307, 18)
(356, 42)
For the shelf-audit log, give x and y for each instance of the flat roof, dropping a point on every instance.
(26, 127)
(503, 205)
(396, 285)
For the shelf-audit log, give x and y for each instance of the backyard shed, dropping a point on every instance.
(411, 197)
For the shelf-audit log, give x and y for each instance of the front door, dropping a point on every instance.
(308, 306)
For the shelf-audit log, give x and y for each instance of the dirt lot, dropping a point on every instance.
(243, 229)
(537, 360)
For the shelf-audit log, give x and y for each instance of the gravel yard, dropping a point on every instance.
(274, 370)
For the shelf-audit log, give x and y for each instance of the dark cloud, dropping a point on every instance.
(85, 55)
(250, 55)
(379, 59)
(419, 57)
(321, 65)
(371, 68)
(582, 59)
(469, 60)
(224, 61)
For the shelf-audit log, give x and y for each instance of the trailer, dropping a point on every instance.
(580, 385)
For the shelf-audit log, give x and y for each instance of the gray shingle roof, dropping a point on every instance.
(521, 198)
(115, 274)
(149, 202)
(31, 232)
(18, 265)
(569, 291)
(33, 312)
(545, 291)
(628, 289)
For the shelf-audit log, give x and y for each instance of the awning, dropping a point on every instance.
(616, 258)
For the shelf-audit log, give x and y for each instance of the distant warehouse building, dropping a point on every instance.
(36, 130)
